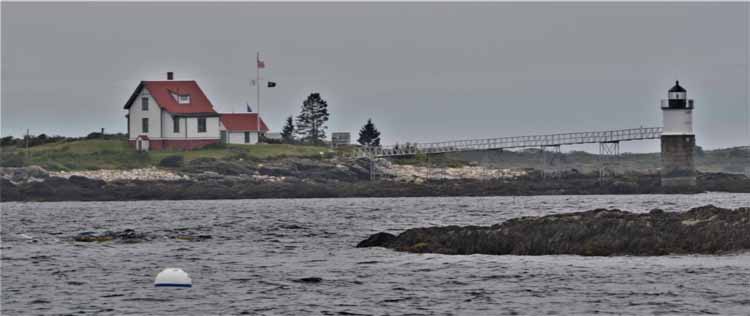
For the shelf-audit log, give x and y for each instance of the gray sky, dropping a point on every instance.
(421, 71)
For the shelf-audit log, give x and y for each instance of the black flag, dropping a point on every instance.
(271, 84)
(248, 107)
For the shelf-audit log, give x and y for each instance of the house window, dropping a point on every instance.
(144, 125)
(247, 137)
(201, 125)
(176, 124)
(144, 104)
(183, 99)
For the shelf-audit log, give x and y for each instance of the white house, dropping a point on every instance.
(175, 114)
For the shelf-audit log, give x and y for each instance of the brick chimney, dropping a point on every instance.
(170, 75)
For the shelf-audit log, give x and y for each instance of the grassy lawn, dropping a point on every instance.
(116, 154)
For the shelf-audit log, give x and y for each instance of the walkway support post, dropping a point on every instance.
(609, 153)
(548, 160)
(371, 163)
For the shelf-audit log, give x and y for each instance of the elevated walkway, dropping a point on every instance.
(551, 140)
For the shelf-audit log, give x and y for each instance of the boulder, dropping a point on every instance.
(23, 174)
(308, 280)
(9, 191)
(173, 161)
(84, 182)
(38, 191)
(37, 172)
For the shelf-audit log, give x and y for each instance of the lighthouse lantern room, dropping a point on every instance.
(677, 112)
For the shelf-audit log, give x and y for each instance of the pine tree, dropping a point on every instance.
(288, 132)
(369, 135)
(312, 118)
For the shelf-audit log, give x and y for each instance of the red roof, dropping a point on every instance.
(242, 122)
(162, 92)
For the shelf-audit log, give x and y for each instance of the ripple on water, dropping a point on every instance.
(297, 257)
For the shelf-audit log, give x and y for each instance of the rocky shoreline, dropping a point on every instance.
(303, 179)
(600, 232)
(144, 174)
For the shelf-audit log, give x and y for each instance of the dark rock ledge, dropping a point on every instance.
(600, 232)
(130, 236)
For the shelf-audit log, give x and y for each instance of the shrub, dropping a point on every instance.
(11, 160)
(174, 161)
(237, 153)
(275, 141)
(218, 145)
(8, 141)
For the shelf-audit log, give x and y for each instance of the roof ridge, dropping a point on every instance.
(168, 81)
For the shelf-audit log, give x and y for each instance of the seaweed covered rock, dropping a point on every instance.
(125, 236)
(600, 232)
(377, 240)
(132, 236)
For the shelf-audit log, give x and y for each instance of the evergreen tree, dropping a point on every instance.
(312, 118)
(369, 135)
(288, 132)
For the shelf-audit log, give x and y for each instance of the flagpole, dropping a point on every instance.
(257, 82)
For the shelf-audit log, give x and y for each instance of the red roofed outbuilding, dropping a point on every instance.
(242, 128)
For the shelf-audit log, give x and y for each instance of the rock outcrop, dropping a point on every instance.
(413, 173)
(600, 232)
(24, 174)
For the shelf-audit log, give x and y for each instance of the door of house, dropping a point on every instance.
(141, 144)
(223, 135)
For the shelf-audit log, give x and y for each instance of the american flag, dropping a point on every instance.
(261, 64)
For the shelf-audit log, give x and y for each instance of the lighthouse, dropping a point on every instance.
(677, 139)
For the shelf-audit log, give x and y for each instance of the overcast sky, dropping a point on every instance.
(421, 71)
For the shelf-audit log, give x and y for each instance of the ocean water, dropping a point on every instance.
(261, 248)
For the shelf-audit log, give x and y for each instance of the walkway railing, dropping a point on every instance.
(512, 142)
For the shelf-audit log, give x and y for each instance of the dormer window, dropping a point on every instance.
(183, 99)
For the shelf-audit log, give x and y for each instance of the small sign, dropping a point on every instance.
(341, 139)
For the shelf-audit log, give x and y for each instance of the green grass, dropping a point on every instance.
(729, 160)
(117, 154)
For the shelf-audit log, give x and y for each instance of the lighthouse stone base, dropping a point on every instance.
(678, 166)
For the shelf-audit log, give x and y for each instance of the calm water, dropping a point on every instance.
(260, 247)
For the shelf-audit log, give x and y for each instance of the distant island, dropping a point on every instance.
(104, 167)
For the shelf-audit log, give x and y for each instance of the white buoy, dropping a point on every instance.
(173, 277)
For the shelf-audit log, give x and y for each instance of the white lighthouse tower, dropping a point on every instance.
(677, 140)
